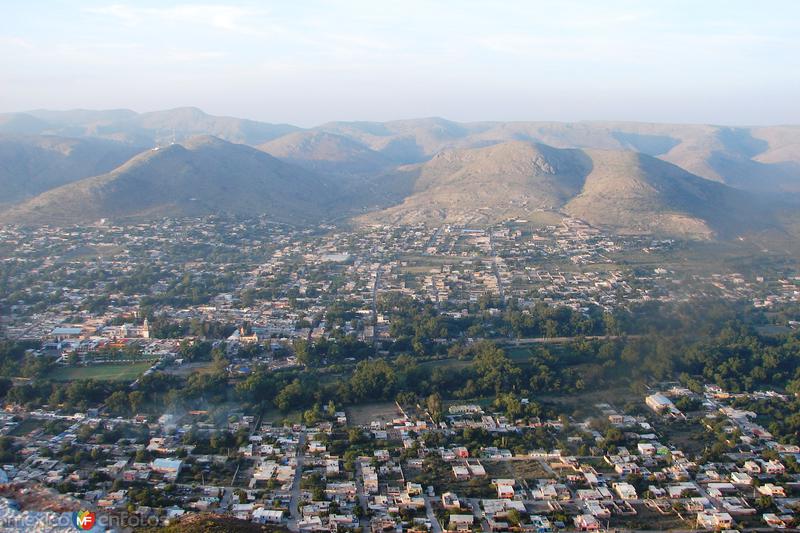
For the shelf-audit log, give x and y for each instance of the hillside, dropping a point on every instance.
(761, 159)
(636, 193)
(327, 152)
(765, 159)
(30, 165)
(204, 176)
(624, 191)
(429, 169)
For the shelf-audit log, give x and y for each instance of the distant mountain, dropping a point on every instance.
(327, 152)
(624, 191)
(618, 174)
(30, 165)
(759, 159)
(408, 141)
(158, 127)
(205, 175)
(21, 124)
(763, 159)
(186, 122)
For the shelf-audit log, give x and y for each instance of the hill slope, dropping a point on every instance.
(30, 165)
(327, 152)
(625, 191)
(631, 192)
(204, 176)
(758, 159)
(764, 159)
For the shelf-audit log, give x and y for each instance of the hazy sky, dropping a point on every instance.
(307, 62)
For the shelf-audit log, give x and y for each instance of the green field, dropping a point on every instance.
(107, 372)
(449, 363)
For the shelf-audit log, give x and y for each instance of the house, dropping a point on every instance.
(242, 511)
(460, 522)
(626, 491)
(752, 468)
(413, 489)
(741, 478)
(505, 492)
(646, 448)
(461, 472)
(774, 467)
(770, 489)
(268, 516)
(586, 522)
(596, 509)
(450, 501)
(370, 479)
(714, 520)
(775, 521)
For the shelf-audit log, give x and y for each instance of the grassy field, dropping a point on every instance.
(108, 372)
(450, 363)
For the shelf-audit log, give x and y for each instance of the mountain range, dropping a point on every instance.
(699, 181)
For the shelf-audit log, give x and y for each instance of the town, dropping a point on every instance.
(390, 378)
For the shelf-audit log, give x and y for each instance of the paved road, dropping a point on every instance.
(435, 527)
(363, 498)
(296, 492)
(496, 270)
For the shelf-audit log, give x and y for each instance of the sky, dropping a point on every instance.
(312, 61)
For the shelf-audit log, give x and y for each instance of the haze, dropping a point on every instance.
(701, 62)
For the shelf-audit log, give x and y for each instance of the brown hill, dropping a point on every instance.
(204, 176)
(624, 191)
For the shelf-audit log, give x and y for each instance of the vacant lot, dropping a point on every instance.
(125, 372)
(528, 469)
(364, 414)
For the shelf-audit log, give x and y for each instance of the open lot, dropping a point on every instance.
(364, 414)
(528, 469)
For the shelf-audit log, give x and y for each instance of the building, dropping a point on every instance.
(170, 468)
(714, 520)
(661, 404)
(268, 516)
(460, 522)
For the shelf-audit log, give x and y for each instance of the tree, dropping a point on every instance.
(434, 404)
(135, 399)
(118, 403)
(373, 380)
(289, 396)
(313, 415)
